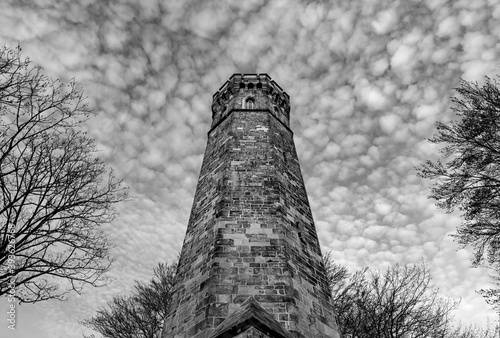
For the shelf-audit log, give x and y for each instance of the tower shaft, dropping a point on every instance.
(251, 249)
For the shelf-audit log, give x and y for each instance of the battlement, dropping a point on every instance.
(251, 92)
(251, 81)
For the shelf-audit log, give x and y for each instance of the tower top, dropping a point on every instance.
(259, 81)
(251, 92)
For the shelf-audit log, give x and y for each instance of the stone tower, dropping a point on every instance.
(251, 264)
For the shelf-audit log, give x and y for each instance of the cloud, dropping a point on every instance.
(448, 27)
(382, 207)
(385, 20)
(403, 56)
(389, 123)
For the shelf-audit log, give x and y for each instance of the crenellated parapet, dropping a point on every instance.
(251, 92)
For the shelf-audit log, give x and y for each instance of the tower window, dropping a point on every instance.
(250, 103)
(242, 85)
(250, 85)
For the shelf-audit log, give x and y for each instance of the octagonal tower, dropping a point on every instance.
(251, 264)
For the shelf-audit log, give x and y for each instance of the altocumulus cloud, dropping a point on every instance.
(367, 80)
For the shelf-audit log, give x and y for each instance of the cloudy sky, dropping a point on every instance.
(367, 80)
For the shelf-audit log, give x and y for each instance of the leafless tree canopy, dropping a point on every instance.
(472, 331)
(470, 179)
(492, 295)
(54, 191)
(398, 303)
(140, 315)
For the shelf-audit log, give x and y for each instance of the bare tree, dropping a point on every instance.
(140, 315)
(492, 295)
(336, 274)
(54, 191)
(470, 179)
(472, 331)
(399, 303)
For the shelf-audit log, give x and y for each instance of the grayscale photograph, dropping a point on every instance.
(249, 169)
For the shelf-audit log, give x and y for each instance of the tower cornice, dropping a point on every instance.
(214, 126)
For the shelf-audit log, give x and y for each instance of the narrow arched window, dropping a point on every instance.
(250, 103)
(250, 85)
